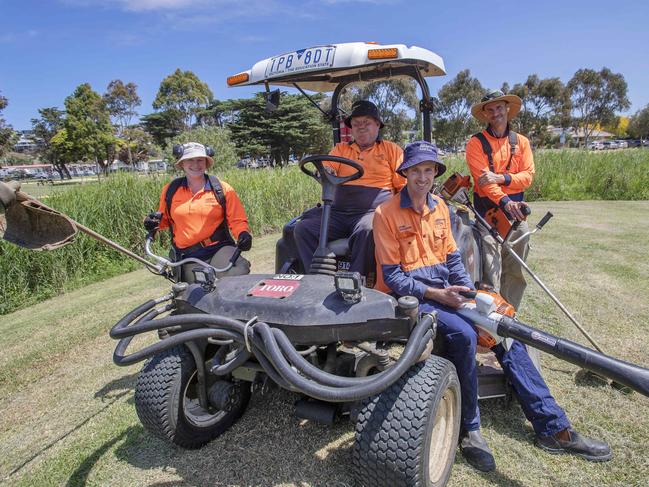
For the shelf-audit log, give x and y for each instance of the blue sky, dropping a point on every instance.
(49, 47)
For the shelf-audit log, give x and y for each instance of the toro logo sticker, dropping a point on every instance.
(274, 288)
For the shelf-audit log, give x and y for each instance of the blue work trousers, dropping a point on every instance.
(460, 340)
(357, 226)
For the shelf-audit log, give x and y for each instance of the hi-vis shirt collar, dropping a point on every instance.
(406, 201)
(491, 132)
(206, 186)
(354, 144)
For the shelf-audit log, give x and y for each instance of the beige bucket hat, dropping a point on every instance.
(513, 102)
(191, 150)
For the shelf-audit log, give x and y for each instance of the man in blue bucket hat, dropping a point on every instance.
(417, 256)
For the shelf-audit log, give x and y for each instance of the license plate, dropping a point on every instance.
(302, 60)
(274, 288)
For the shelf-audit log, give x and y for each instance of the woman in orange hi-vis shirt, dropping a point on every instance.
(204, 214)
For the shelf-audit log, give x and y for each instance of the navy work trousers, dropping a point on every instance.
(460, 340)
(357, 226)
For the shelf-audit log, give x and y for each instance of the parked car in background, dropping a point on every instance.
(621, 144)
(634, 143)
(609, 144)
(595, 145)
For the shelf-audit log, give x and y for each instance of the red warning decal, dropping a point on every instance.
(274, 288)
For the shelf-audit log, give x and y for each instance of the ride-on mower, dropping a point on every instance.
(344, 348)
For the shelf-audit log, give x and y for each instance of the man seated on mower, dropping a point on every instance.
(355, 201)
(202, 214)
(417, 255)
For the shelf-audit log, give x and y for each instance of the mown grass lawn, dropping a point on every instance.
(67, 414)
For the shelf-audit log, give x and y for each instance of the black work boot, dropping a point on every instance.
(476, 452)
(569, 441)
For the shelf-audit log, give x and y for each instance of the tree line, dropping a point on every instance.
(103, 127)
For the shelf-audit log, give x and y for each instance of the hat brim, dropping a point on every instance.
(209, 162)
(441, 167)
(513, 102)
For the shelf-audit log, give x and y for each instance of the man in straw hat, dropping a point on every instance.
(202, 213)
(355, 201)
(502, 167)
(416, 255)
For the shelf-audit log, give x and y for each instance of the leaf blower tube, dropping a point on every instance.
(630, 375)
(270, 346)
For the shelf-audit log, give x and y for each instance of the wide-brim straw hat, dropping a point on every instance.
(513, 103)
(191, 150)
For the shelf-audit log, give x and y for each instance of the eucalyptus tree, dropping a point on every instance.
(596, 98)
(454, 123)
(89, 132)
(121, 101)
(7, 134)
(185, 94)
(44, 129)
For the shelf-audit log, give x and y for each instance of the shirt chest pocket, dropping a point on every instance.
(440, 236)
(408, 247)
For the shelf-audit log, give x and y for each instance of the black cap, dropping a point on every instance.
(364, 108)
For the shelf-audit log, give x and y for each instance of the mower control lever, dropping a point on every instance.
(235, 255)
(163, 264)
(544, 220)
(539, 226)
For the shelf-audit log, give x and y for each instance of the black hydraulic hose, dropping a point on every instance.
(314, 373)
(122, 328)
(352, 393)
(121, 359)
(227, 367)
(268, 367)
(129, 317)
(270, 354)
(155, 312)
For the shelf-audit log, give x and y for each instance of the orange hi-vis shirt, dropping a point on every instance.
(517, 178)
(379, 181)
(414, 250)
(196, 216)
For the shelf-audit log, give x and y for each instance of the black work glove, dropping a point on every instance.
(244, 242)
(152, 221)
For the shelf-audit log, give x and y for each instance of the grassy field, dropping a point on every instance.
(67, 415)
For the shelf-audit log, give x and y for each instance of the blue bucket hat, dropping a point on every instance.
(418, 152)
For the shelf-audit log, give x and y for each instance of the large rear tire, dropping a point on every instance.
(407, 436)
(166, 401)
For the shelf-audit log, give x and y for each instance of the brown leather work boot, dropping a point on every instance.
(569, 441)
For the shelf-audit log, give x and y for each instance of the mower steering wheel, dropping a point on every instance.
(323, 176)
